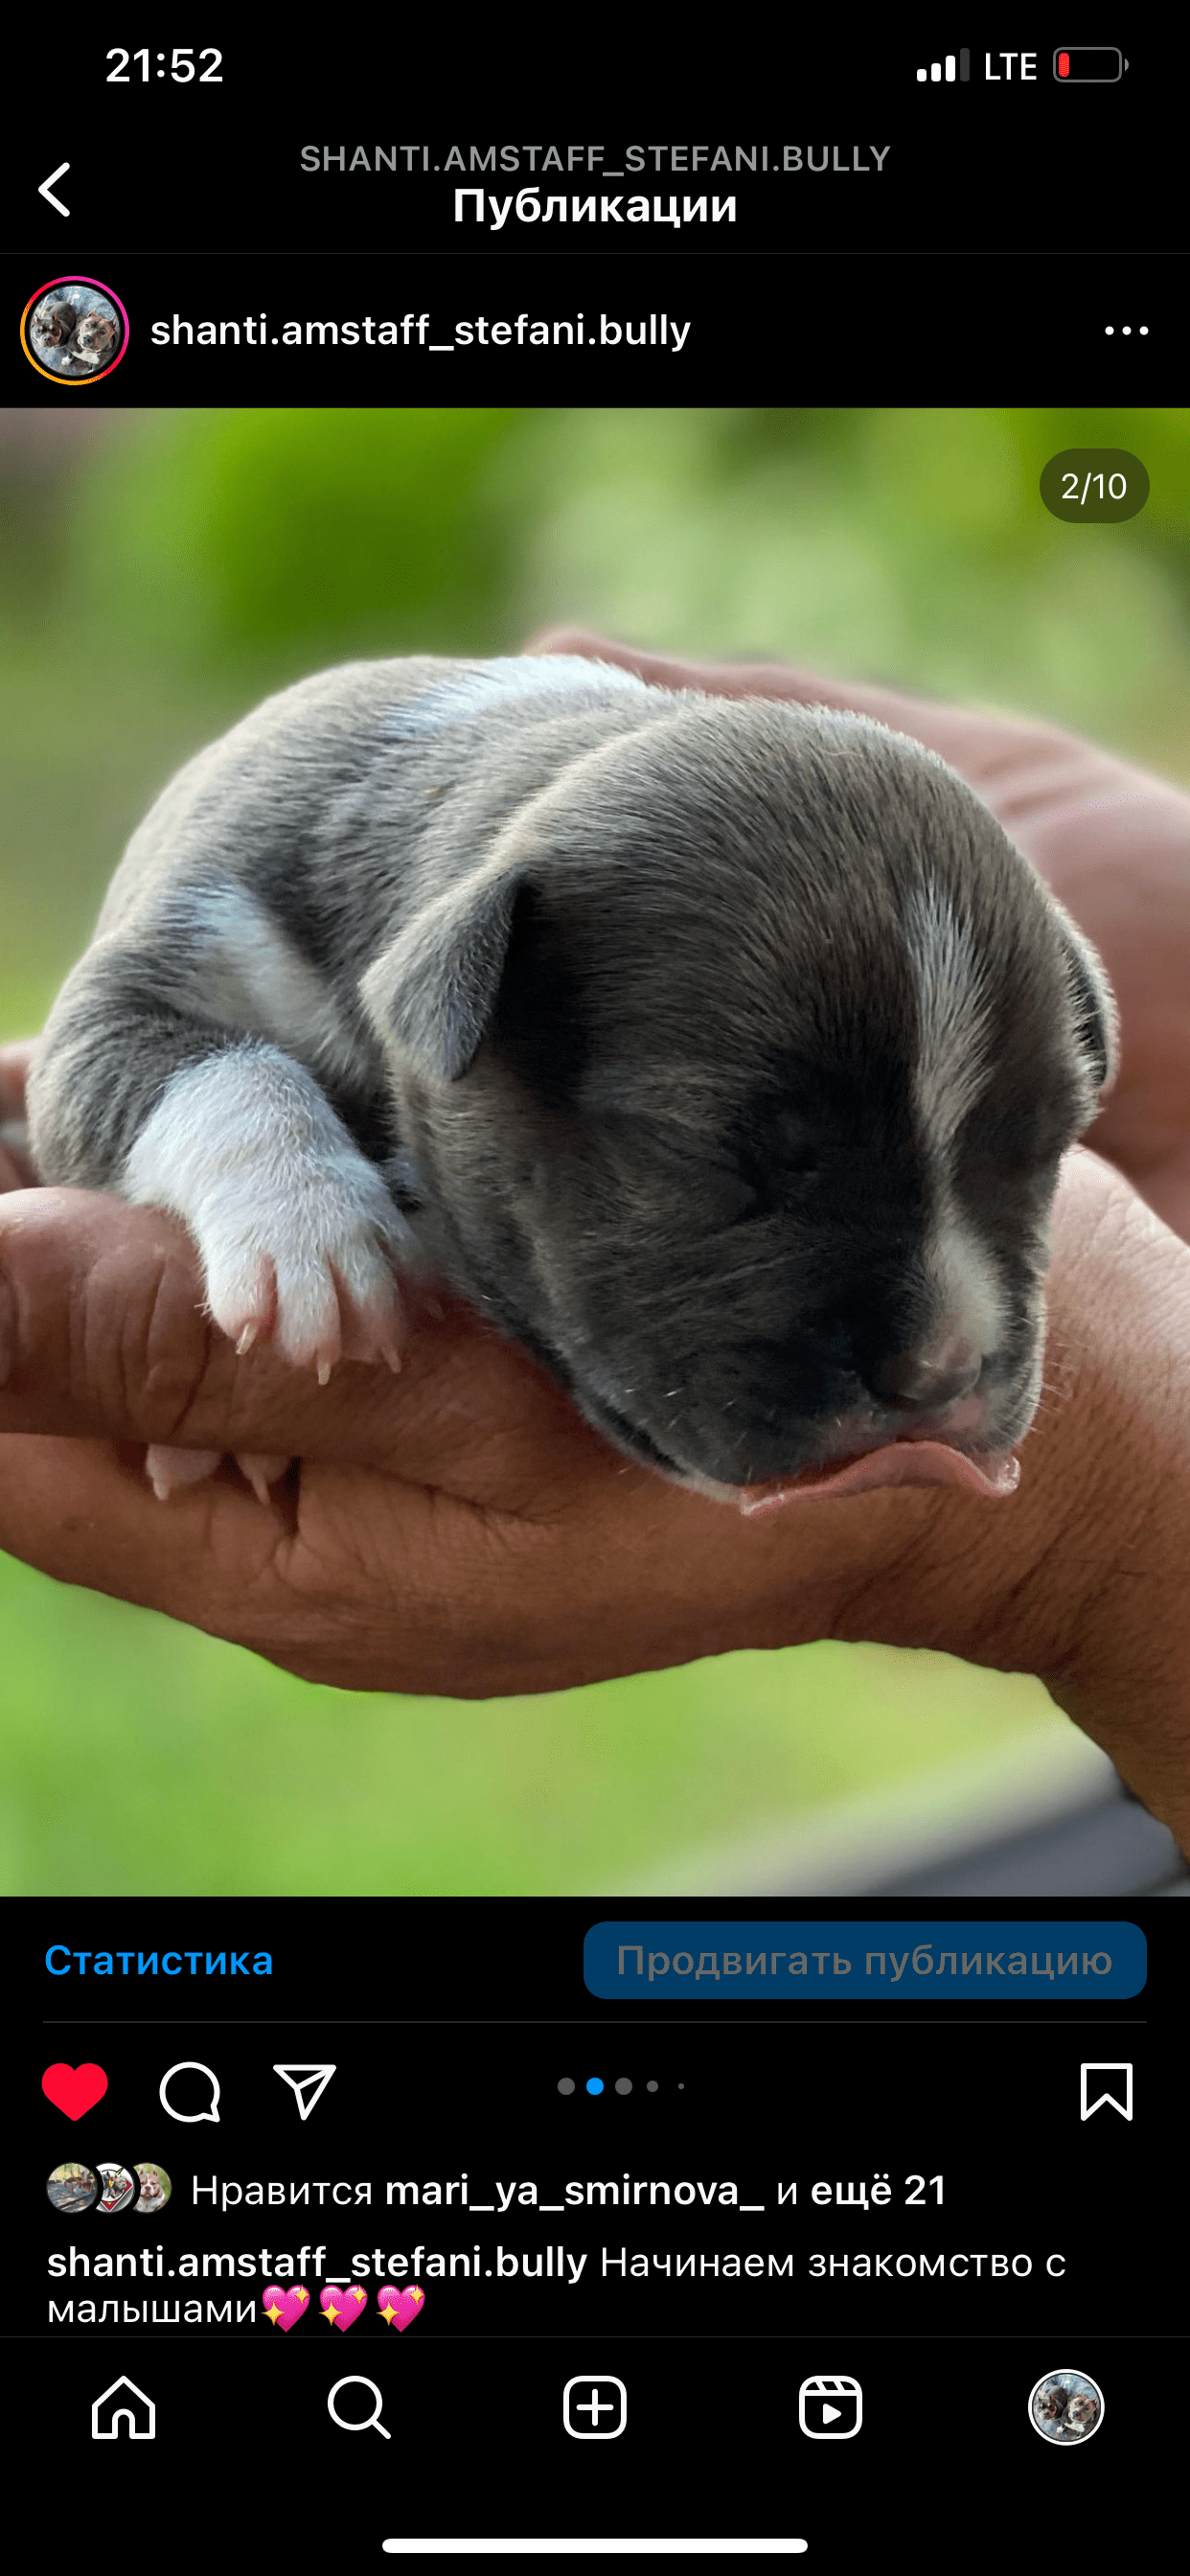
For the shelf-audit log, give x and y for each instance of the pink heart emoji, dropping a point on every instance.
(74, 2089)
(343, 2306)
(284, 2307)
(400, 2307)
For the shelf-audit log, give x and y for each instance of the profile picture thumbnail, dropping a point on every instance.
(118, 2188)
(71, 2188)
(1066, 2406)
(74, 329)
(155, 2187)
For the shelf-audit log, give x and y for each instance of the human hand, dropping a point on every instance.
(460, 1530)
(1111, 842)
(16, 1168)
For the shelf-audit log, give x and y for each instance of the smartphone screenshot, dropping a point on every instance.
(595, 1297)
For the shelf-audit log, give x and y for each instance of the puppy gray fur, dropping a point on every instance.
(723, 1053)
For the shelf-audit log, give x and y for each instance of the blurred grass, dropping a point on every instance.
(145, 1758)
(159, 573)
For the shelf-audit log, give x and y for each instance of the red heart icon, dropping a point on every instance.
(74, 2089)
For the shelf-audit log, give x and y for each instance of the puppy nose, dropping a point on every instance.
(929, 1381)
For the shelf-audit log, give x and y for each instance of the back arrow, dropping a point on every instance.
(46, 189)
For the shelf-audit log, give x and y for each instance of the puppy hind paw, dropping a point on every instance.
(261, 1468)
(168, 1469)
(171, 1470)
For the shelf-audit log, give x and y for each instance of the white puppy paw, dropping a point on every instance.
(297, 1231)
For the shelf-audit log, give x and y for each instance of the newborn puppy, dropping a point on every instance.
(722, 1053)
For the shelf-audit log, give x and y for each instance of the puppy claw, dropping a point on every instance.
(299, 1241)
(261, 1469)
(167, 1469)
(244, 1305)
(378, 1339)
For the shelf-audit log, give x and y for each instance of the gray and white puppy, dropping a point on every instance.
(722, 1053)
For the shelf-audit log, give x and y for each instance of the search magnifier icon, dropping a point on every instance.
(367, 2423)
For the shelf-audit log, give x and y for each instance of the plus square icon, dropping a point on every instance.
(594, 2409)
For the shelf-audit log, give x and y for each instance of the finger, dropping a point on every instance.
(979, 747)
(362, 1587)
(16, 1166)
(83, 1511)
(103, 1336)
(15, 1060)
(727, 679)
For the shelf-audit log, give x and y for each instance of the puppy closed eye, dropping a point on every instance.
(729, 1188)
(756, 1189)
(739, 1193)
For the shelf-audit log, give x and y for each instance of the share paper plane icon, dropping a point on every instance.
(309, 2084)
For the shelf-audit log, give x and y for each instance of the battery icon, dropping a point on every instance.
(1089, 63)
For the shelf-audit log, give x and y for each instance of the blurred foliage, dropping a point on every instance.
(905, 546)
(269, 533)
(159, 572)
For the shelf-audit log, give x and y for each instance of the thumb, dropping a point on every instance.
(721, 679)
(16, 1169)
(943, 728)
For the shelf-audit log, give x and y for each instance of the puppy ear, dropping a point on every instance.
(1097, 1021)
(432, 992)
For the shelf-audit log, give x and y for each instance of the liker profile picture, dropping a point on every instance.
(75, 330)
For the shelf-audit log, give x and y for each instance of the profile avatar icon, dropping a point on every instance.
(1066, 2406)
(155, 2188)
(72, 2187)
(74, 330)
(118, 2188)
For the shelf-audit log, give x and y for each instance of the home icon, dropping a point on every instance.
(123, 2408)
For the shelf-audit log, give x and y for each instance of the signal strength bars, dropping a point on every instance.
(946, 69)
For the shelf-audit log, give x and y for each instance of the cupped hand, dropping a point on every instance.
(459, 1530)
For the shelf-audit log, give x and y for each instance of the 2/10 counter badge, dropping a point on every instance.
(1094, 483)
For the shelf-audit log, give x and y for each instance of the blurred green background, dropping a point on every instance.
(163, 571)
